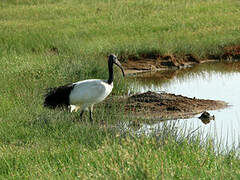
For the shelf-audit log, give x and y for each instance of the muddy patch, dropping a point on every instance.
(168, 106)
(232, 52)
(159, 63)
(155, 62)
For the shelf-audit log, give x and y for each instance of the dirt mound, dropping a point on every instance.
(169, 106)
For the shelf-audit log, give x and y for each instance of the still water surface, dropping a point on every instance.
(216, 81)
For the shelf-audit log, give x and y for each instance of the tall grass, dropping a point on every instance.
(49, 43)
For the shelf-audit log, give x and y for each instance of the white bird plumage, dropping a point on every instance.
(89, 92)
(83, 94)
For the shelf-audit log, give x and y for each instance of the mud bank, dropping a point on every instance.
(154, 62)
(168, 106)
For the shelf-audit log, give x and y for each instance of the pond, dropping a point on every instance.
(215, 81)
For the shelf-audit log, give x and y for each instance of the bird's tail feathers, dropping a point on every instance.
(58, 97)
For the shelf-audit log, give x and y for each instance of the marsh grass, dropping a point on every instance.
(50, 43)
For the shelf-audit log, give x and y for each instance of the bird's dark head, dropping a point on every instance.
(112, 59)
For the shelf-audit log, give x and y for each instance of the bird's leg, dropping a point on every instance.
(83, 108)
(90, 113)
(81, 114)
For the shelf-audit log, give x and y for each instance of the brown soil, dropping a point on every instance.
(232, 52)
(168, 106)
(155, 62)
(143, 64)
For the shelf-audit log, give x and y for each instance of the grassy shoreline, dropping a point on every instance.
(50, 43)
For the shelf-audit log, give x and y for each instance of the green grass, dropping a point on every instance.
(50, 43)
(99, 27)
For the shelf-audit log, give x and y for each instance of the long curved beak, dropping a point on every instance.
(120, 66)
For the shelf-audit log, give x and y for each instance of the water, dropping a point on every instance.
(216, 81)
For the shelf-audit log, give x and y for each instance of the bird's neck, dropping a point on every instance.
(110, 69)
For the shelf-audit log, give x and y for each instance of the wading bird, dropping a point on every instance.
(82, 94)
